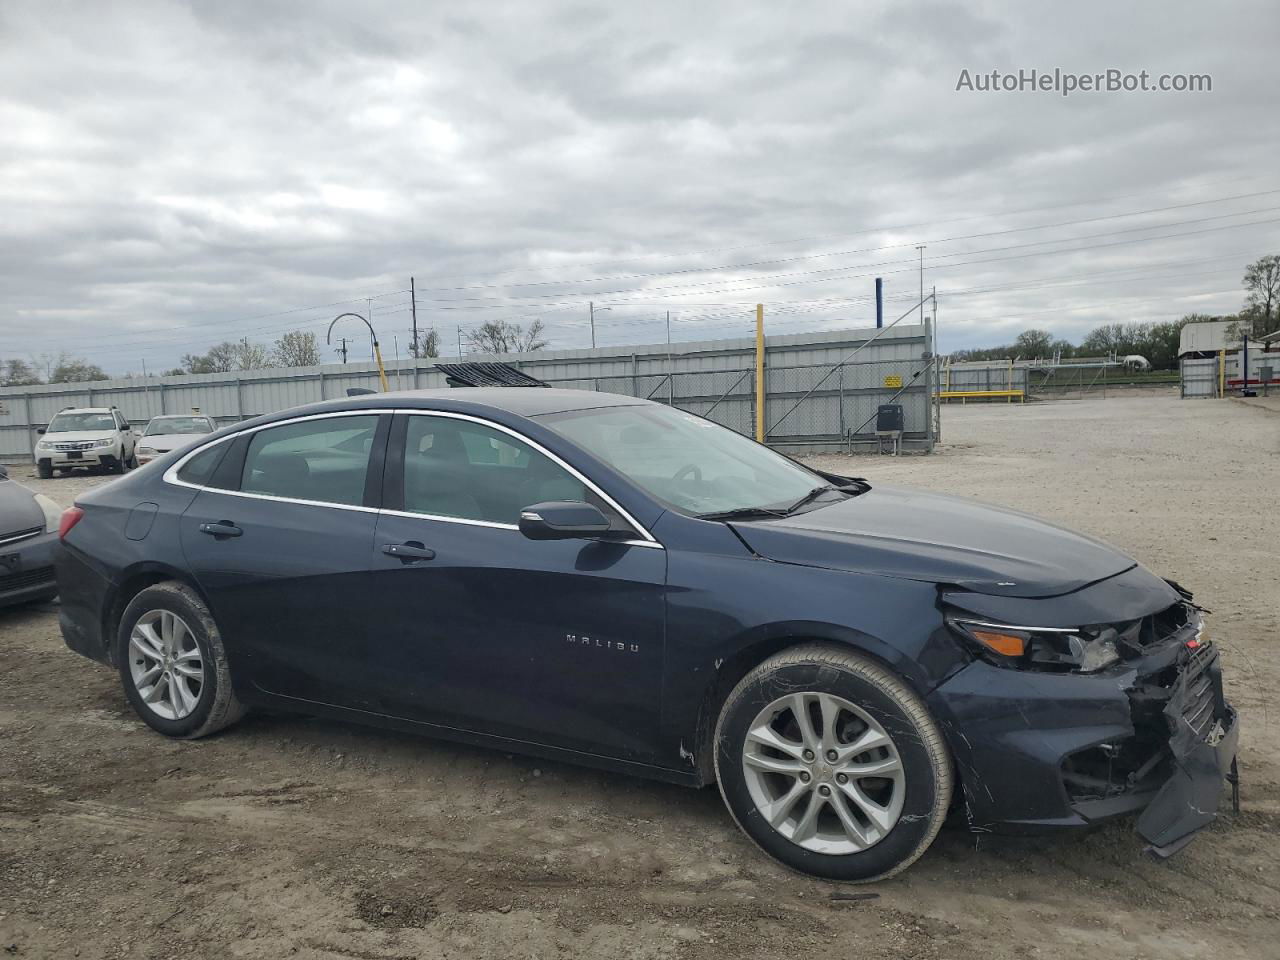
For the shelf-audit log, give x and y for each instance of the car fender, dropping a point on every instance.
(712, 642)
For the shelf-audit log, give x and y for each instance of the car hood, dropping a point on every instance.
(900, 532)
(18, 508)
(77, 436)
(163, 443)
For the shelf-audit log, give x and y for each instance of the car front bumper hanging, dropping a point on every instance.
(1206, 733)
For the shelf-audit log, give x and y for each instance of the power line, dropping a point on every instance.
(887, 246)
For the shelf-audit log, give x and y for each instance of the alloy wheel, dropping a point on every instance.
(823, 773)
(165, 664)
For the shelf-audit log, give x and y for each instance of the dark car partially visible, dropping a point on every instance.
(28, 535)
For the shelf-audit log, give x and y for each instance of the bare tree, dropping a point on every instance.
(219, 359)
(297, 348)
(427, 345)
(1262, 283)
(500, 336)
(251, 356)
(227, 356)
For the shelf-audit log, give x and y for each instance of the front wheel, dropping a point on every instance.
(44, 470)
(173, 665)
(832, 765)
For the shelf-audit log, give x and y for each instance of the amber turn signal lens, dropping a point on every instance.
(1005, 644)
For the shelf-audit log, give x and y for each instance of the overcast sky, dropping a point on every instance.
(173, 174)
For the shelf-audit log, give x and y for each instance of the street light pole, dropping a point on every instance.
(377, 351)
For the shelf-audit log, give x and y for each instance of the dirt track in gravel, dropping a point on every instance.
(291, 837)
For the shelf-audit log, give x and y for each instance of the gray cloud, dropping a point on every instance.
(173, 175)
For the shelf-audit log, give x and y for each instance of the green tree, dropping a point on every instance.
(76, 370)
(1030, 344)
(18, 373)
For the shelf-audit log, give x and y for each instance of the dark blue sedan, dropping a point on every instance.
(613, 582)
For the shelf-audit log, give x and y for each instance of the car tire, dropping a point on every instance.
(133, 462)
(166, 637)
(826, 812)
(44, 471)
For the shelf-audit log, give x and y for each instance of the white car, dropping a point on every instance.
(170, 432)
(86, 437)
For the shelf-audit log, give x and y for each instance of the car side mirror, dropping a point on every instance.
(562, 520)
(40, 430)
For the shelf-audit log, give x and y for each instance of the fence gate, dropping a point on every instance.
(1199, 377)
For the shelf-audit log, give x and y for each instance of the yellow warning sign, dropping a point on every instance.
(893, 380)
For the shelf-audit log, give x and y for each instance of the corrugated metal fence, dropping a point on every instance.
(1199, 377)
(813, 402)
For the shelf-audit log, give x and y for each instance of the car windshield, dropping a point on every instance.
(687, 462)
(69, 422)
(170, 425)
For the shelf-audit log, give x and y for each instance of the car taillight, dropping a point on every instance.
(70, 517)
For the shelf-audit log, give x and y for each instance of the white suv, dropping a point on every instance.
(86, 437)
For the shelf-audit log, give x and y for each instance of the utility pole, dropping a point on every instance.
(413, 308)
(459, 329)
(760, 392)
(933, 297)
(671, 372)
(921, 247)
(343, 349)
(591, 309)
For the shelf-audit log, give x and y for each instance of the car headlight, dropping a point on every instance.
(147, 450)
(1073, 649)
(44, 445)
(52, 512)
(104, 443)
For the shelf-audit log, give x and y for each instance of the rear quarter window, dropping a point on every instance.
(199, 469)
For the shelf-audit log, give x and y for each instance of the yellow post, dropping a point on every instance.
(382, 374)
(760, 372)
(1222, 374)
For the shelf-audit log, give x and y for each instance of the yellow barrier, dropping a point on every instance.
(963, 395)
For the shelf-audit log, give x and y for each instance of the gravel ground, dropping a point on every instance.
(288, 836)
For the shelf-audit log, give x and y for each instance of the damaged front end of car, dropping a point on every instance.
(1056, 727)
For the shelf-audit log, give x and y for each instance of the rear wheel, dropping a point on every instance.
(832, 765)
(173, 665)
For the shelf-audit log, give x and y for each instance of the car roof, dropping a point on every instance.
(524, 401)
(87, 410)
(180, 416)
(520, 401)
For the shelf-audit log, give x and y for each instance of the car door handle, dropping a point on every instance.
(223, 528)
(410, 552)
